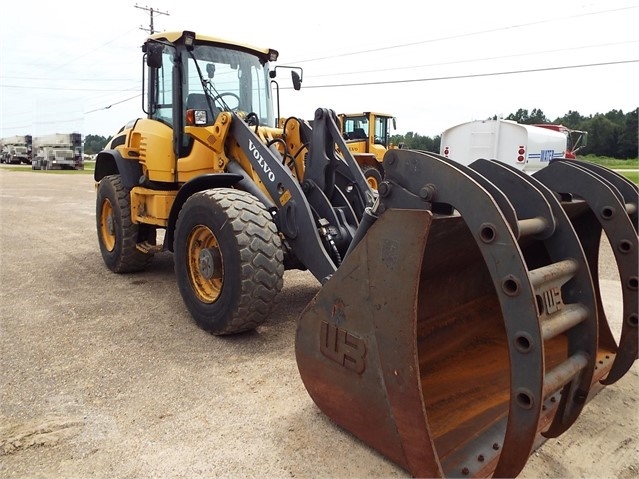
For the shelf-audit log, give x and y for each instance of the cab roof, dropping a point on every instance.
(176, 35)
(366, 113)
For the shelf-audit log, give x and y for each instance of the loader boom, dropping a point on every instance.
(295, 201)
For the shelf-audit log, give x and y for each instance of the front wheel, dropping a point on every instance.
(373, 176)
(117, 234)
(229, 262)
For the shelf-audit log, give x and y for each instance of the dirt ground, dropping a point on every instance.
(107, 376)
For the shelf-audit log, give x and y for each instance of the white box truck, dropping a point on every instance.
(526, 147)
(16, 149)
(60, 151)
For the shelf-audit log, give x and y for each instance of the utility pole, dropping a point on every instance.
(151, 12)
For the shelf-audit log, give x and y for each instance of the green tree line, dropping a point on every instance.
(614, 134)
(93, 144)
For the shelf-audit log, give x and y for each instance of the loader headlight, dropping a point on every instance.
(196, 117)
(189, 39)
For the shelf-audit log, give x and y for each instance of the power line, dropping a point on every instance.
(364, 71)
(414, 80)
(92, 80)
(65, 89)
(151, 12)
(417, 80)
(473, 60)
(457, 77)
(343, 73)
(113, 104)
(115, 38)
(465, 35)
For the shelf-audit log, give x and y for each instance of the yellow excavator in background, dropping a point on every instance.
(459, 323)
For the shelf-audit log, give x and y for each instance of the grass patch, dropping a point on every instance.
(89, 168)
(613, 163)
(64, 172)
(626, 168)
(631, 175)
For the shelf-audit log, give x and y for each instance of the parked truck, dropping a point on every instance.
(59, 151)
(575, 139)
(528, 148)
(16, 149)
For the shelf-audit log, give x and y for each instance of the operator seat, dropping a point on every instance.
(357, 134)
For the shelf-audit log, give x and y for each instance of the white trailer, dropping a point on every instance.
(60, 151)
(526, 147)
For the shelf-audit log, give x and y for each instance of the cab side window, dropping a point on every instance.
(163, 100)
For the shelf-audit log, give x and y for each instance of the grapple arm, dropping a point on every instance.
(324, 164)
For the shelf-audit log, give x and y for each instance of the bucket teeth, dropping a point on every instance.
(466, 322)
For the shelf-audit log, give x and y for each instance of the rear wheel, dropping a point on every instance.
(373, 176)
(117, 234)
(228, 260)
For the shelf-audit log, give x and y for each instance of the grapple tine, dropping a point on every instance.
(498, 196)
(628, 191)
(611, 204)
(573, 305)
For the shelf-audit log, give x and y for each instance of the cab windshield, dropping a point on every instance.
(235, 81)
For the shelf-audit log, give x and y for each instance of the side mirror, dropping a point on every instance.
(154, 55)
(297, 80)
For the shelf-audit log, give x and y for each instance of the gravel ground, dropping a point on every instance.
(107, 376)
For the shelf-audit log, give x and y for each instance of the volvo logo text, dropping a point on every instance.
(261, 162)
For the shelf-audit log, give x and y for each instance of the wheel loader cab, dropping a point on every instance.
(191, 79)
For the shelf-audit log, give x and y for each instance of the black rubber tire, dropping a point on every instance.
(117, 234)
(249, 271)
(373, 176)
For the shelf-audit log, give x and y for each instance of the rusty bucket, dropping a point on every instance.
(463, 329)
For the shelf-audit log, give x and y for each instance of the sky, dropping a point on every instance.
(71, 66)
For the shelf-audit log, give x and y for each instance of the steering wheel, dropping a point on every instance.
(231, 94)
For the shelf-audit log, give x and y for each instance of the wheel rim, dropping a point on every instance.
(372, 182)
(204, 264)
(107, 227)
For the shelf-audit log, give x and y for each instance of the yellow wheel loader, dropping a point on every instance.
(367, 136)
(459, 323)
